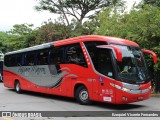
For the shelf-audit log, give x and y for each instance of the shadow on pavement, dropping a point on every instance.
(118, 107)
(46, 96)
(72, 100)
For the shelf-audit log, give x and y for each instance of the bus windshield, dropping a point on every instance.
(133, 66)
(132, 69)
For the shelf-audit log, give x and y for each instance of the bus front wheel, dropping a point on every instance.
(17, 87)
(82, 95)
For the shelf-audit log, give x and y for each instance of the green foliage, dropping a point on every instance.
(3, 37)
(58, 30)
(50, 31)
(77, 29)
(18, 38)
(6, 42)
(24, 33)
(22, 29)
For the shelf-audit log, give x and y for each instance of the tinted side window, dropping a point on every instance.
(30, 59)
(92, 49)
(42, 57)
(56, 55)
(101, 59)
(74, 55)
(6, 60)
(13, 60)
(19, 60)
(10, 60)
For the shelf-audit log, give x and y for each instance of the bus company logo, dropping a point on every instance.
(34, 69)
(6, 114)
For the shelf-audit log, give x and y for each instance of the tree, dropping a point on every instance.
(22, 29)
(78, 9)
(25, 35)
(9, 42)
(3, 38)
(58, 30)
(52, 31)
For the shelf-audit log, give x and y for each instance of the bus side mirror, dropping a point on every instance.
(154, 56)
(117, 51)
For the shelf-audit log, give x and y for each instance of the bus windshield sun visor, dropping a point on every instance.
(154, 56)
(116, 50)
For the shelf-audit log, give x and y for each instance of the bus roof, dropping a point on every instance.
(85, 38)
(108, 39)
(37, 47)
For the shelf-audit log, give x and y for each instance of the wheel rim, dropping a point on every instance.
(83, 95)
(17, 87)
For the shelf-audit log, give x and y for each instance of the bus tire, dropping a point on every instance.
(17, 87)
(82, 96)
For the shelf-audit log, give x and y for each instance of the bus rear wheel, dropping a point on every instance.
(17, 87)
(82, 95)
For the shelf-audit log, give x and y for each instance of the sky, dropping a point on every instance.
(22, 11)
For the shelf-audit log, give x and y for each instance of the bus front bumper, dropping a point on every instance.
(127, 97)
